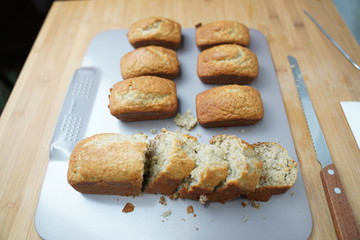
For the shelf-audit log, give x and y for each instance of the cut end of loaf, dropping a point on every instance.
(279, 171)
(171, 158)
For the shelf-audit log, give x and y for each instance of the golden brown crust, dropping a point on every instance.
(221, 32)
(150, 60)
(143, 98)
(230, 105)
(228, 63)
(108, 164)
(265, 193)
(155, 31)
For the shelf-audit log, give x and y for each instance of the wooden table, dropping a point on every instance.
(29, 118)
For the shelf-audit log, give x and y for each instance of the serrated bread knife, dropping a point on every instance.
(340, 209)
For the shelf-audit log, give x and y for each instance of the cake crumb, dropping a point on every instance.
(153, 131)
(203, 199)
(162, 201)
(198, 25)
(186, 121)
(199, 135)
(129, 207)
(195, 215)
(255, 204)
(211, 220)
(292, 194)
(182, 219)
(166, 213)
(190, 209)
(263, 218)
(174, 196)
(244, 204)
(243, 131)
(245, 218)
(197, 229)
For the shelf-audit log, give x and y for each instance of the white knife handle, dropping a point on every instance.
(340, 209)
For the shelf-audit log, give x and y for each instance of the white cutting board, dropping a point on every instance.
(63, 213)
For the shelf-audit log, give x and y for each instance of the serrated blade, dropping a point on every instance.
(317, 136)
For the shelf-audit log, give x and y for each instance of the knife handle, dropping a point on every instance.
(340, 209)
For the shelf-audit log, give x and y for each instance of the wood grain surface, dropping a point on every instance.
(29, 118)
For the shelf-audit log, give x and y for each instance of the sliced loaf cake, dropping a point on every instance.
(279, 171)
(171, 158)
(211, 169)
(244, 168)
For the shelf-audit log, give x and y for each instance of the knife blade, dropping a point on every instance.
(340, 209)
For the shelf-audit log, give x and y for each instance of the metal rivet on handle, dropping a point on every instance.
(337, 190)
(331, 172)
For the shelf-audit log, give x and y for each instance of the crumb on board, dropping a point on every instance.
(129, 207)
(190, 209)
(195, 215)
(186, 121)
(244, 204)
(245, 218)
(211, 220)
(203, 199)
(153, 131)
(255, 204)
(174, 196)
(166, 213)
(182, 219)
(197, 229)
(198, 25)
(263, 218)
(199, 135)
(162, 201)
(292, 194)
(243, 131)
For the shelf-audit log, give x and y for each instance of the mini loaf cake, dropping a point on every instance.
(226, 64)
(151, 60)
(211, 169)
(244, 168)
(155, 31)
(221, 32)
(279, 171)
(143, 98)
(229, 105)
(109, 164)
(171, 159)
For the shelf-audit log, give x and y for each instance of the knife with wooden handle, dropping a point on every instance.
(340, 209)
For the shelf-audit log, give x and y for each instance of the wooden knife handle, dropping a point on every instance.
(341, 212)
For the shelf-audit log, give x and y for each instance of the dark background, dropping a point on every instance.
(20, 22)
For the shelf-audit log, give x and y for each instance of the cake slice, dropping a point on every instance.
(109, 163)
(279, 171)
(211, 169)
(244, 168)
(171, 159)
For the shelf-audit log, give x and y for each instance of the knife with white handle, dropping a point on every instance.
(340, 209)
